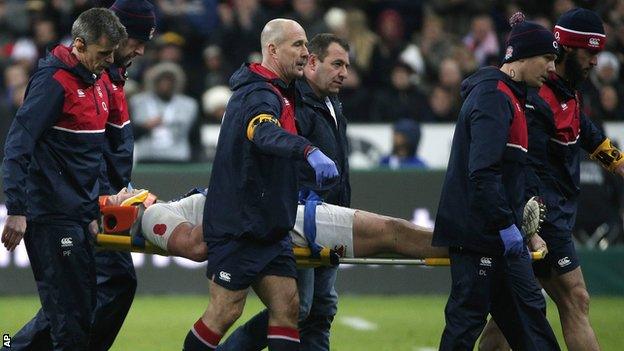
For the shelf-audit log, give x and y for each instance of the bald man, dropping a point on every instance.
(251, 202)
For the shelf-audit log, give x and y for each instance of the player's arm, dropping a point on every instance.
(489, 128)
(263, 128)
(42, 105)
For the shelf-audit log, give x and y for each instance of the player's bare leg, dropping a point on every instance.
(279, 295)
(570, 294)
(187, 241)
(225, 307)
(374, 234)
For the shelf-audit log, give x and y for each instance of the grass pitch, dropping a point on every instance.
(387, 323)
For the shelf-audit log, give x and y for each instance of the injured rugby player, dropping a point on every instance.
(176, 227)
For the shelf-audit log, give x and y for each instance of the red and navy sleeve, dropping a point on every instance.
(489, 127)
(270, 137)
(43, 104)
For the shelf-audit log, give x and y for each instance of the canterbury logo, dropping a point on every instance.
(564, 261)
(594, 42)
(67, 242)
(486, 261)
(225, 276)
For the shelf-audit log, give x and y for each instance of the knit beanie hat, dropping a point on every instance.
(581, 28)
(528, 39)
(137, 16)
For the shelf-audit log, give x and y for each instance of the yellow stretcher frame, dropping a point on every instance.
(303, 257)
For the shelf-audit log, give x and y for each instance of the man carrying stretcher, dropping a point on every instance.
(176, 227)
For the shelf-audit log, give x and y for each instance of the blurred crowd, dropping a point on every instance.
(408, 58)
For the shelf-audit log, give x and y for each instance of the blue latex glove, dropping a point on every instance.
(512, 240)
(323, 166)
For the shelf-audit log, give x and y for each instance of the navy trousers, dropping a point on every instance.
(62, 261)
(504, 287)
(116, 286)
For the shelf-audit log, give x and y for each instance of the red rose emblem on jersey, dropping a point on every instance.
(159, 229)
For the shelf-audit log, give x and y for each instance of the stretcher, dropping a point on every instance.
(121, 232)
(327, 257)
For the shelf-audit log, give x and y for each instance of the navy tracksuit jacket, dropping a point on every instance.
(558, 129)
(253, 186)
(53, 150)
(484, 186)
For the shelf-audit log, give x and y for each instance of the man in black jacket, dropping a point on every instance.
(320, 120)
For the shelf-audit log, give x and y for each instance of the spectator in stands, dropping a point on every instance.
(309, 15)
(170, 47)
(195, 19)
(15, 75)
(162, 116)
(482, 40)
(401, 100)
(45, 35)
(336, 21)
(458, 13)
(388, 48)
(213, 67)
(562, 6)
(13, 22)
(242, 21)
(214, 101)
(28, 50)
(8, 108)
(441, 107)
(606, 73)
(362, 41)
(465, 58)
(450, 77)
(610, 105)
(405, 140)
(434, 43)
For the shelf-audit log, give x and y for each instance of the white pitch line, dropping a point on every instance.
(358, 323)
(419, 348)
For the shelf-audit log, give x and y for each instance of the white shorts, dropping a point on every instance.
(334, 228)
(160, 219)
(334, 224)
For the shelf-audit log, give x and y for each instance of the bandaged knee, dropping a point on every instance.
(608, 155)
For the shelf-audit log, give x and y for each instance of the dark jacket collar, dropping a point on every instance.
(308, 96)
(61, 57)
(560, 86)
(117, 74)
